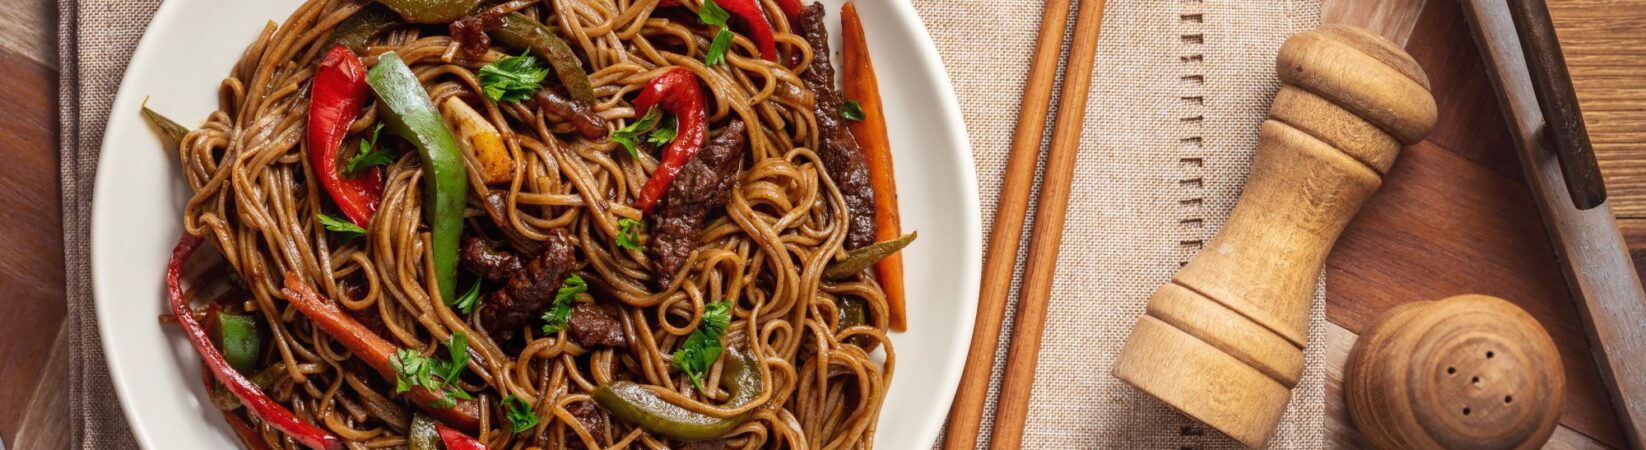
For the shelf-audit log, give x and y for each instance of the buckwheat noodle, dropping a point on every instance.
(255, 203)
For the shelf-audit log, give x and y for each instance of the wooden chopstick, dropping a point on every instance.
(1013, 408)
(1001, 257)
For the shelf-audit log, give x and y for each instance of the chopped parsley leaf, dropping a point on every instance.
(702, 348)
(370, 154)
(557, 315)
(628, 236)
(519, 413)
(412, 369)
(851, 110)
(466, 302)
(629, 136)
(344, 228)
(512, 79)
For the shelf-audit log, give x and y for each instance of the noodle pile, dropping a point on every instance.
(255, 200)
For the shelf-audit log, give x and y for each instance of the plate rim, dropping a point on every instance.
(949, 113)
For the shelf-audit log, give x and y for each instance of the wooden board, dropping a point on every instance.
(31, 248)
(1605, 51)
(1598, 271)
(1455, 216)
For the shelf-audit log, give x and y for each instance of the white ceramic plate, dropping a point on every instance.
(190, 47)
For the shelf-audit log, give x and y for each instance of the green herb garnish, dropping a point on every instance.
(628, 235)
(344, 228)
(466, 302)
(557, 315)
(512, 79)
(851, 110)
(370, 154)
(713, 14)
(702, 348)
(519, 413)
(717, 49)
(664, 134)
(629, 136)
(412, 369)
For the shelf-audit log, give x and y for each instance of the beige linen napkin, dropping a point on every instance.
(95, 39)
(1180, 88)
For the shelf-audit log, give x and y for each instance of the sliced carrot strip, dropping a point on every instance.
(860, 84)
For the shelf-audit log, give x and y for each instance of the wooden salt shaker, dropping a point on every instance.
(1467, 372)
(1223, 341)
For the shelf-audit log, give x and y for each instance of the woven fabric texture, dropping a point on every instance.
(1179, 90)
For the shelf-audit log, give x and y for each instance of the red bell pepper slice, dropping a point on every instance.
(760, 29)
(373, 350)
(456, 440)
(677, 91)
(337, 96)
(255, 400)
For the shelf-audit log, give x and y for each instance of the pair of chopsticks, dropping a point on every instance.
(1012, 410)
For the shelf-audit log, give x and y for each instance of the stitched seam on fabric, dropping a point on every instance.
(1190, 153)
(1190, 136)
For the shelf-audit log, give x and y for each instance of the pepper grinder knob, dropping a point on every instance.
(1223, 341)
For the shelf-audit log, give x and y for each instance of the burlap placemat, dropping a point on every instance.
(1179, 90)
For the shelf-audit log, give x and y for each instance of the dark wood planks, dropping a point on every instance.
(1443, 226)
(1599, 273)
(1605, 46)
(31, 248)
(1455, 217)
(31, 243)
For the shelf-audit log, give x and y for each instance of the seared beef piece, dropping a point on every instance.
(561, 107)
(839, 148)
(470, 32)
(484, 259)
(530, 290)
(591, 327)
(591, 419)
(704, 184)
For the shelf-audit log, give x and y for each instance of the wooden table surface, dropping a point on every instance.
(1454, 215)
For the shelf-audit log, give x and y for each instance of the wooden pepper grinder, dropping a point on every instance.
(1223, 341)
(1467, 372)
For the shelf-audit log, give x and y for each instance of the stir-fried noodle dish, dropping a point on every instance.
(469, 224)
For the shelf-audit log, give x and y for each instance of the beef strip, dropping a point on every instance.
(704, 184)
(470, 31)
(589, 416)
(839, 148)
(530, 290)
(561, 107)
(591, 327)
(482, 257)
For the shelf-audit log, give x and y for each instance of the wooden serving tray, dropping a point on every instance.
(1458, 214)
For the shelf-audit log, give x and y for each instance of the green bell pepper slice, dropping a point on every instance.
(239, 338)
(636, 404)
(438, 12)
(408, 112)
(520, 31)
